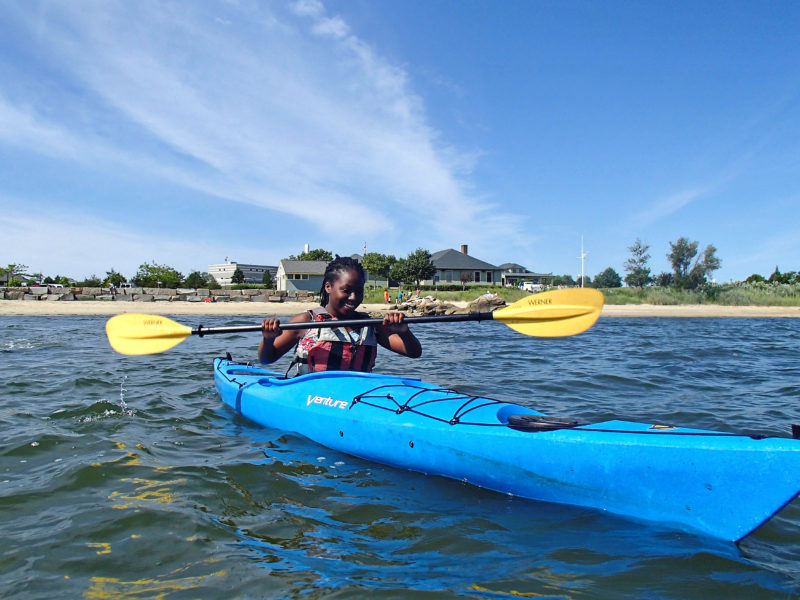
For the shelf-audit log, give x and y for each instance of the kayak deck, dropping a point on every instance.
(722, 484)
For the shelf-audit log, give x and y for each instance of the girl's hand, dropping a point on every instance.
(394, 321)
(271, 328)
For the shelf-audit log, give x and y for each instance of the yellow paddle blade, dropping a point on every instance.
(553, 314)
(134, 333)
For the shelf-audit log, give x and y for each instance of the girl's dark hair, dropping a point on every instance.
(332, 271)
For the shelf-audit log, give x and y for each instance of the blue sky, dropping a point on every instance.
(186, 132)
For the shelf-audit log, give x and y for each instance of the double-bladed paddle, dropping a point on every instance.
(555, 313)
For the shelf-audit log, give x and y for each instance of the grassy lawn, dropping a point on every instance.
(728, 294)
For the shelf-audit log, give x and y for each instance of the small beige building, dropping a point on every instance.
(295, 275)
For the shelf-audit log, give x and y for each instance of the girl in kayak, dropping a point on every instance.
(337, 348)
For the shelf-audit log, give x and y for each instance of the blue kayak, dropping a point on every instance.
(721, 484)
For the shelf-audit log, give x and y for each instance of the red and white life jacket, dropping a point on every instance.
(335, 348)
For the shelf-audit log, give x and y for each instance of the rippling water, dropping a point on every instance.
(126, 477)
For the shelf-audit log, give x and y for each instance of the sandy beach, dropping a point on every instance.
(33, 308)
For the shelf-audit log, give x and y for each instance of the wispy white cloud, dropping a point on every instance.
(287, 111)
(667, 206)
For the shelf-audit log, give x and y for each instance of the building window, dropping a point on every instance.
(488, 277)
(477, 276)
(448, 276)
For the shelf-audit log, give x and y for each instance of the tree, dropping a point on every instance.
(419, 266)
(91, 281)
(587, 281)
(378, 265)
(687, 275)
(664, 279)
(705, 266)
(197, 279)
(267, 279)
(680, 256)
(155, 275)
(399, 271)
(608, 279)
(238, 276)
(15, 272)
(113, 277)
(466, 277)
(636, 266)
(755, 278)
(778, 277)
(317, 254)
(564, 281)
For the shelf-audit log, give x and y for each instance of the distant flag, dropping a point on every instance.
(365, 248)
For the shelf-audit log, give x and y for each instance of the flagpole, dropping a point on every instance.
(583, 259)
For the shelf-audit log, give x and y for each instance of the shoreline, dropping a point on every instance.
(282, 309)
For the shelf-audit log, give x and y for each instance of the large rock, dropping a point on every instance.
(162, 297)
(203, 292)
(14, 294)
(428, 306)
(486, 303)
(123, 298)
(186, 291)
(222, 298)
(275, 298)
(39, 291)
(143, 298)
(259, 298)
(84, 297)
(93, 291)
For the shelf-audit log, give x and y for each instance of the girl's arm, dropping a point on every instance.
(275, 342)
(395, 335)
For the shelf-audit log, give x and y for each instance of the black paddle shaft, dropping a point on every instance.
(479, 316)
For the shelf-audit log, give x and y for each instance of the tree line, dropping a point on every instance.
(417, 266)
(690, 268)
(414, 268)
(149, 274)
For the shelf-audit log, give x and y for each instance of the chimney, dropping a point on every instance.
(463, 248)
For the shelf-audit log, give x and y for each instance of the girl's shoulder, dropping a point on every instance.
(301, 318)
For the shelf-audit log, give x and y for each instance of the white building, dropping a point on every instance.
(223, 273)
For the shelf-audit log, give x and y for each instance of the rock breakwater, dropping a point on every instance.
(76, 294)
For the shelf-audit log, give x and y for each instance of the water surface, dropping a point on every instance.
(126, 477)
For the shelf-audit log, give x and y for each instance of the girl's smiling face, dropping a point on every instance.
(345, 293)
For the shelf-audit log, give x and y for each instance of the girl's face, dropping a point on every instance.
(345, 293)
